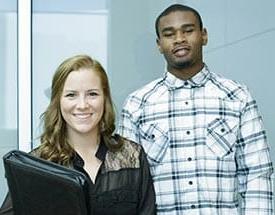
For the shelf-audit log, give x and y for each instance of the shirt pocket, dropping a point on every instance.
(221, 136)
(155, 141)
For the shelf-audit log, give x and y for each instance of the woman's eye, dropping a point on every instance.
(70, 95)
(93, 94)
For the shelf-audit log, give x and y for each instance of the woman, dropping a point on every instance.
(78, 127)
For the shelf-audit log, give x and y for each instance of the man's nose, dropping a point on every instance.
(180, 36)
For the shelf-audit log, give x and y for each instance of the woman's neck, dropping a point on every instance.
(84, 143)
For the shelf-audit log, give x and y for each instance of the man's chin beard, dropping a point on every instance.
(178, 63)
(182, 65)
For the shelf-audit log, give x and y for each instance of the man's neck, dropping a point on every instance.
(187, 72)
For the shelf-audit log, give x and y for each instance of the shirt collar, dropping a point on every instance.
(100, 154)
(196, 81)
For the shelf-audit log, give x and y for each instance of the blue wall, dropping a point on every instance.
(241, 47)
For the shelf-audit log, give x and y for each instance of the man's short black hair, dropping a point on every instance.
(177, 7)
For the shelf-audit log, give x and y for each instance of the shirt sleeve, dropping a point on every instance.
(128, 119)
(255, 170)
(147, 196)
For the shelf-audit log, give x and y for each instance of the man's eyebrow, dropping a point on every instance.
(172, 28)
(167, 29)
(188, 25)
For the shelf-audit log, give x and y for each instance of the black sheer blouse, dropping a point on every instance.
(123, 185)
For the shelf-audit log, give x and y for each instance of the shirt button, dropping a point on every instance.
(188, 132)
(185, 83)
(189, 159)
(190, 182)
(193, 206)
(186, 102)
(153, 136)
(222, 130)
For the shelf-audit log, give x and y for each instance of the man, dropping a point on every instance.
(202, 133)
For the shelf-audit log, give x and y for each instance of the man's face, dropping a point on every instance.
(181, 39)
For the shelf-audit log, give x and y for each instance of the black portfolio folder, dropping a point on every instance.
(40, 187)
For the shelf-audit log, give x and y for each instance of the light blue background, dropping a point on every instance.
(241, 47)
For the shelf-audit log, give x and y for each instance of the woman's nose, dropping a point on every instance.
(82, 102)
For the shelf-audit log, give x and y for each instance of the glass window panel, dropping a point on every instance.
(8, 84)
(60, 32)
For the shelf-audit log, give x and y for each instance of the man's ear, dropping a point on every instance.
(204, 36)
(159, 46)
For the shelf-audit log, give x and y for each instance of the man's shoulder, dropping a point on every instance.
(232, 88)
(225, 80)
(148, 88)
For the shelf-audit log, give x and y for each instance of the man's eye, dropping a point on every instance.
(189, 30)
(168, 34)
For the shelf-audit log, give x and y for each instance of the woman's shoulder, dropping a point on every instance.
(129, 146)
(36, 151)
(128, 156)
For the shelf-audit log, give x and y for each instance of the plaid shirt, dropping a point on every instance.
(205, 143)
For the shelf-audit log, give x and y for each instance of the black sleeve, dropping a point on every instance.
(147, 200)
(6, 208)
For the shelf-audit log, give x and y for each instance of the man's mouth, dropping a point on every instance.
(181, 51)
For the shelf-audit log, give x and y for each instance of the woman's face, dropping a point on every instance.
(82, 102)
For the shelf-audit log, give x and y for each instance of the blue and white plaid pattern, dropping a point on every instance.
(205, 143)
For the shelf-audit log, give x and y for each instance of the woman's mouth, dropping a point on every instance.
(82, 115)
